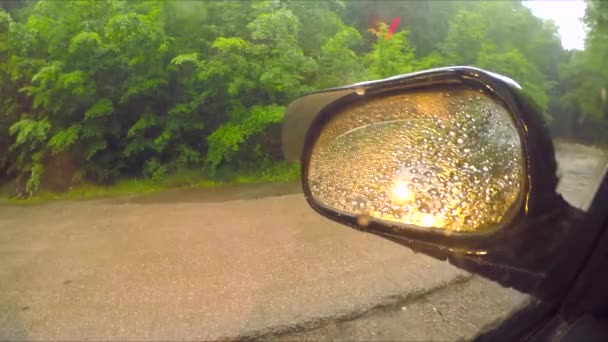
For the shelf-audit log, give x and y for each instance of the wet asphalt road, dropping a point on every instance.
(193, 265)
(98, 270)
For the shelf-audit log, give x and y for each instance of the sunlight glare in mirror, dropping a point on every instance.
(428, 220)
(401, 193)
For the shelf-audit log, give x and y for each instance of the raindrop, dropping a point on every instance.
(360, 91)
(363, 220)
(459, 141)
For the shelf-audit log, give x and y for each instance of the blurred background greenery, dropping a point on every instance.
(180, 93)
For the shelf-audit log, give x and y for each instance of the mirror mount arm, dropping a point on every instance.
(536, 264)
(549, 251)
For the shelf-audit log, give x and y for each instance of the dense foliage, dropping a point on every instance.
(96, 90)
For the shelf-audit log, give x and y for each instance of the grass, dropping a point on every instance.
(278, 172)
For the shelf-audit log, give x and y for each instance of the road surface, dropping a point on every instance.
(228, 264)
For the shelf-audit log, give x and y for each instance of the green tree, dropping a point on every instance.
(389, 57)
(96, 90)
(583, 81)
(506, 38)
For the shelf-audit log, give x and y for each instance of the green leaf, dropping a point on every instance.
(143, 87)
(33, 182)
(63, 139)
(94, 147)
(101, 108)
(31, 131)
(227, 139)
(47, 73)
(84, 40)
(138, 144)
(74, 81)
(162, 140)
(186, 58)
(146, 121)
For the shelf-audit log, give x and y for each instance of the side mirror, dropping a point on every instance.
(452, 162)
(435, 161)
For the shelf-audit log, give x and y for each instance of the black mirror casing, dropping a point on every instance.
(521, 251)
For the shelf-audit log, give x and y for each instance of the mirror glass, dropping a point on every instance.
(446, 159)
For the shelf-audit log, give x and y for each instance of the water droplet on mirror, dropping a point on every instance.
(363, 220)
(360, 91)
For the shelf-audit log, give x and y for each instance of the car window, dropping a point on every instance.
(144, 194)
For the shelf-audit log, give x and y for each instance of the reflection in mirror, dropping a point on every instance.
(448, 159)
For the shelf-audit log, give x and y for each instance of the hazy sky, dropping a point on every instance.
(567, 15)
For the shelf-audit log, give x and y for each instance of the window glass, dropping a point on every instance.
(144, 196)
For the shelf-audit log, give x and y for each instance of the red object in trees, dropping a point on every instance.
(393, 28)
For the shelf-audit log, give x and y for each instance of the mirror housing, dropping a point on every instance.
(520, 248)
